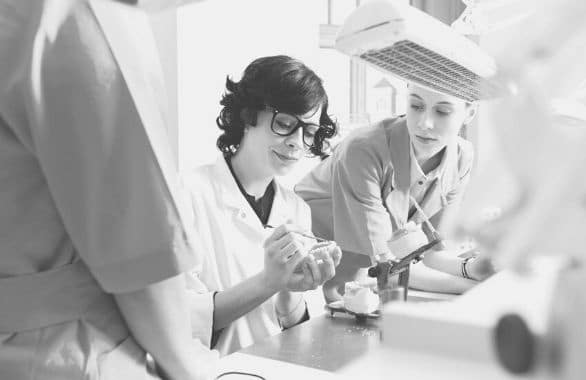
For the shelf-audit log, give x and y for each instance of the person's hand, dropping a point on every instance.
(331, 291)
(330, 248)
(347, 270)
(317, 267)
(326, 248)
(285, 249)
(480, 267)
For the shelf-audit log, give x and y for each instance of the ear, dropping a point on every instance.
(471, 111)
(248, 116)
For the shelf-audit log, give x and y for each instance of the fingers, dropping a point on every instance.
(282, 249)
(330, 291)
(287, 246)
(307, 276)
(301, 279)
(327, 266)
(312, 276)
(295, 260)
(332, 250)
(281, 231)
(336, 255)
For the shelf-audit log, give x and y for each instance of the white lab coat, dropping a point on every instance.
(231, 240)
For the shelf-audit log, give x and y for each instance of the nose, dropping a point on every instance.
(295, 140)
(426, 121)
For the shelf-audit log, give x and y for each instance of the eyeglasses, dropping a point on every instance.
(284, 124)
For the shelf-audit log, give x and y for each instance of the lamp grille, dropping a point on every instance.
(415, 63)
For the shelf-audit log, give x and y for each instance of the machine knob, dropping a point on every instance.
(515, 344)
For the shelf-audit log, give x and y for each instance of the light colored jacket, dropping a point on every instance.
(88, 191)
(360, 194)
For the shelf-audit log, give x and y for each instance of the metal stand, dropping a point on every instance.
(384, 270)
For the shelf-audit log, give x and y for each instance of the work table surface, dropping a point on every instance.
(323, 342)
(329, 343)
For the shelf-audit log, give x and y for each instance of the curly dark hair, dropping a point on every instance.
(280, 82)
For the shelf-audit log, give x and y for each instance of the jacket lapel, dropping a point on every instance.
(397, 202)
(232, 201)
(435, 197)
(281, 211)
(432, 202)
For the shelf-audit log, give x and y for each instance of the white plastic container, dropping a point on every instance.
(407, 240)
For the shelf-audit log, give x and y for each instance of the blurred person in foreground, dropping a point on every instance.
(92, 227)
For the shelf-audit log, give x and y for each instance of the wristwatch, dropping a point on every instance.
(463, 268)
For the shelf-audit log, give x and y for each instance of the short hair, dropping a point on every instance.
(280, 82)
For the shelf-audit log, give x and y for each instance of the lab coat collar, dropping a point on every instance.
(282, 210)
(230, 195)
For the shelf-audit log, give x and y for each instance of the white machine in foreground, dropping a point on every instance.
(528, 319)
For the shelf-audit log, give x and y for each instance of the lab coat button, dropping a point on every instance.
(420, 182)
(242, 214)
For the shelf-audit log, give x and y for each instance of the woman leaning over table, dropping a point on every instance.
(366, 190)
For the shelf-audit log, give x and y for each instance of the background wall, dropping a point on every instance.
(220, 37)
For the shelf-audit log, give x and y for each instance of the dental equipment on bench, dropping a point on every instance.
(528, 319)
(387, 268)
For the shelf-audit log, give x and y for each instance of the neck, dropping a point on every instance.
(428, 162)
(252, 179)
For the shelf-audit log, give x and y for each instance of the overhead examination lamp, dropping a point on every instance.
(414, 46)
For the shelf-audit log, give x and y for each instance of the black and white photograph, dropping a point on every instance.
(292, 189)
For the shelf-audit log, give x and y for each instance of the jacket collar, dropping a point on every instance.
(225, 185)
(417, 172)
(400, 151)
(402, 160)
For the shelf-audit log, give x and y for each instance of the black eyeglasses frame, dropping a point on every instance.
(300, 124)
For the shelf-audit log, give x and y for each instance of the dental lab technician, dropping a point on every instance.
(250, 227)
(92, 245)
(361, 193)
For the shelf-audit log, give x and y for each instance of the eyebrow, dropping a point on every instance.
(442, 103)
